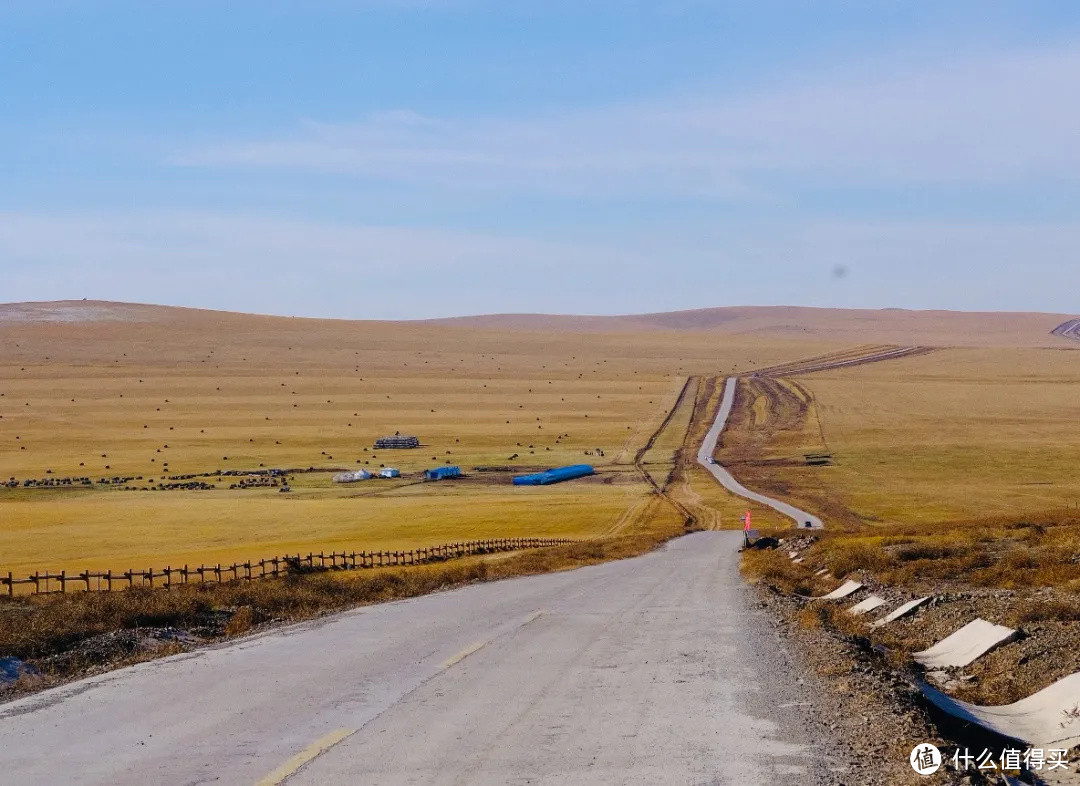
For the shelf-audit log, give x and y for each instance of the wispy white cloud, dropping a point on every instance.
(972, 119)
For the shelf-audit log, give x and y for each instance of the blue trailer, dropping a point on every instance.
(439, 473)
(555, 475)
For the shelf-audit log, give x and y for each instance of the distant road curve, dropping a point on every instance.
(1070, 329)
(727, 480)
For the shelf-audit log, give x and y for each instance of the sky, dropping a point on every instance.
(406, 159)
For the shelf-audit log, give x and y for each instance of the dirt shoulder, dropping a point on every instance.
(874, 715)
(870, 672)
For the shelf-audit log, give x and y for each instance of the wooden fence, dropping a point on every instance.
(107, 581)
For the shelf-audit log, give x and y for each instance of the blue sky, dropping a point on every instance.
(396, 159)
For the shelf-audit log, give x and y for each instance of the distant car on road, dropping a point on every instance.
(709, 460)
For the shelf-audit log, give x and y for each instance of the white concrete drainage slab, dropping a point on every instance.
(866, 606)
(821, 572)
(901, 611)
(965, 645)
(845, 589)
(1048, 719)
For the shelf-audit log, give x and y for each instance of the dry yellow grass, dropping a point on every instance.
(936, 456)
(118, 530)
(159, 392)
(961, 434)
(154, 392)
(954, 468)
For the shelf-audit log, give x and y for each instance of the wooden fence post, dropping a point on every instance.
(274, 567)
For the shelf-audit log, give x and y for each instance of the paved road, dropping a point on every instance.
(727, 480)
(659, 669)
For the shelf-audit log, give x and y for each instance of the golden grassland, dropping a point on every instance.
(220, 526)
(957, 435)
(150, 392)
(153, 392)
(954, 468)
(961, 434)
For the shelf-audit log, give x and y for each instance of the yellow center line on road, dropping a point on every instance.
(319, 747)
(308, 754)
(479, 645)
(475, 647)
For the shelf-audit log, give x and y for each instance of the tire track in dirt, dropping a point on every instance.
(856, 357)
(624, 452)
(639, 457)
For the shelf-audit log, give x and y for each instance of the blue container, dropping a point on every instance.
(555, 475)
(438, 473)
(567, 473)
